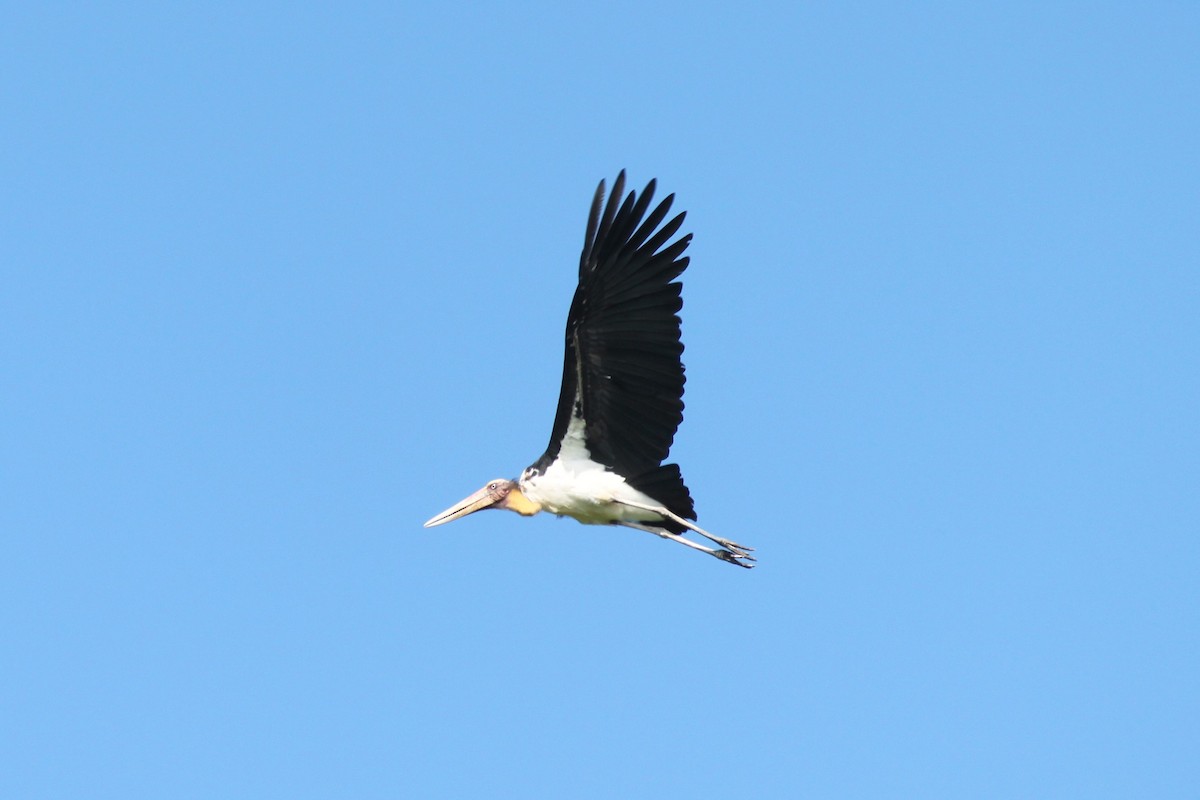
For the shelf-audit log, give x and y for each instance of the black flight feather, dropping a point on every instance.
(622, 370)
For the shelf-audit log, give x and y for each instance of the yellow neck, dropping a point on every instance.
(516, 501)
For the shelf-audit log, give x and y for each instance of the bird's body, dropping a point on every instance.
(573, 485)
(621, 398)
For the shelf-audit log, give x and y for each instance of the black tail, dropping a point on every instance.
(665, 484)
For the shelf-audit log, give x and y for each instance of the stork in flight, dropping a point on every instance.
(622, 388)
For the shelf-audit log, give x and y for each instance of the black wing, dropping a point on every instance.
(622, 373)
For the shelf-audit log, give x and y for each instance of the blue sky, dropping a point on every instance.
(280, 283)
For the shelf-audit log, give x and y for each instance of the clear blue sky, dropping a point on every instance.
(281, 282)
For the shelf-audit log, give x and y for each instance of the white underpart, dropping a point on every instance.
(576, 486)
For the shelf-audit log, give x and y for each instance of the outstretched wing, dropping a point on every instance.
(622, 374)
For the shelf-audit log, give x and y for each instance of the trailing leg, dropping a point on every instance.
(740, 549)
(730, 556)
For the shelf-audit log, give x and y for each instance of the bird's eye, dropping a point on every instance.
(493, 487)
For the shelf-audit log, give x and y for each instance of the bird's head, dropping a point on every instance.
(498, 493)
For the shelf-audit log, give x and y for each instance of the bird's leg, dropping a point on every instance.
(740, 549)
(730, 556)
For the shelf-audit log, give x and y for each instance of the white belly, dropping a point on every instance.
(586, 491)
